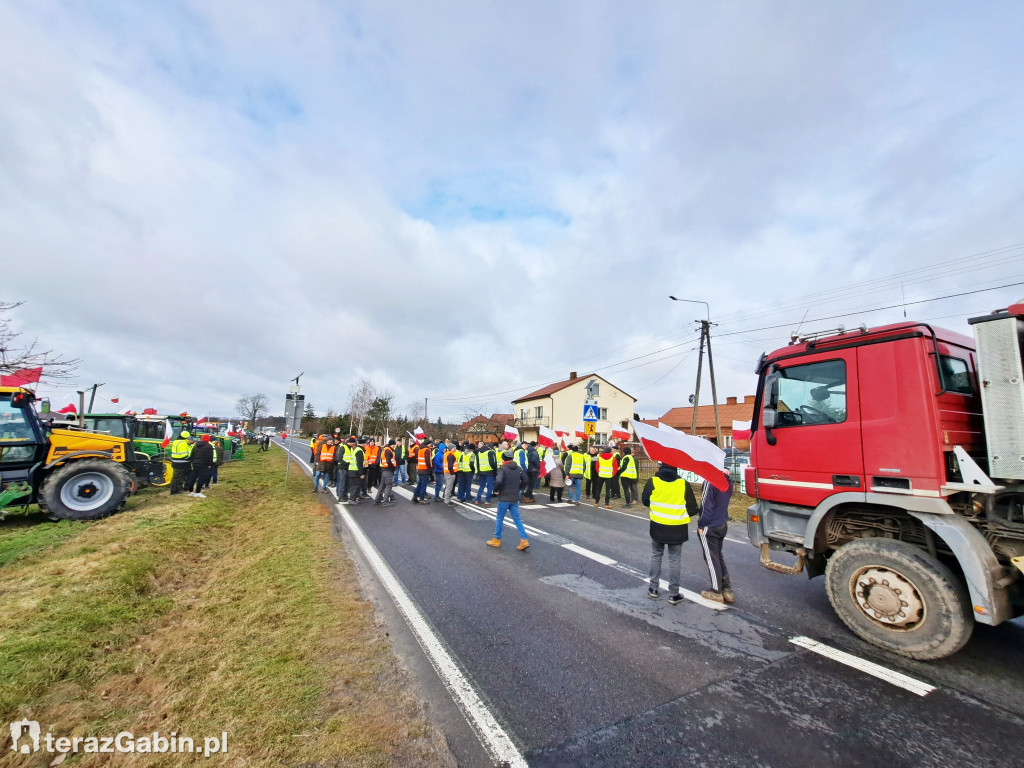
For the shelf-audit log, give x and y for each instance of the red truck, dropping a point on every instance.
(891, 461)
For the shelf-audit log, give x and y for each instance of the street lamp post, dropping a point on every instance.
(705, 338)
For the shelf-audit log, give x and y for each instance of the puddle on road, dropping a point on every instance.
(726, 632)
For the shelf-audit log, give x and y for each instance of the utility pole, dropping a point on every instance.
(714, 391)
(92, 397)
(696, 391)
(426, 418)
(705, 338)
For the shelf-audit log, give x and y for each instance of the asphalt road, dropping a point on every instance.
(579, 668)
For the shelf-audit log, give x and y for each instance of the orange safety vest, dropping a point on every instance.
(371, 454)
(327, 453)
(455, 464)
(423, 460)
(387, 458)
(414, 452)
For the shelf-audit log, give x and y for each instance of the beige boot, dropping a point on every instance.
(523, 544)
(494, 543)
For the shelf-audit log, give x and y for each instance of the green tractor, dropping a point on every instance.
(149, 465)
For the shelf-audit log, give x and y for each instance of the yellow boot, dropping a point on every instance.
(494, 543)
(523, 544)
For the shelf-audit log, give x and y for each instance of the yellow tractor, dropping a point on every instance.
(70, 474)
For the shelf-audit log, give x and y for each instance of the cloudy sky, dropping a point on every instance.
(466, 200)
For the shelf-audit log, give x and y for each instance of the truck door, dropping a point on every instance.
(817, 441)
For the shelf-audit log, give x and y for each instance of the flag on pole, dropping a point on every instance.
(547, 465)
(580, 433)
(700, 456)
(414, 438)
(740, 430)
(621, 433)
(546, 437)
(561, 431)
(149, 411)
(69, 408)
(126, 410)
(21, 377)
(418, 433)
(168, 434)
(115, 399)
(511, 433)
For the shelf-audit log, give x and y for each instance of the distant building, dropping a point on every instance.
(741, 410)
(561, 405)
(485, 429)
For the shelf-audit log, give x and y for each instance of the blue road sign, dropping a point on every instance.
(590, 413)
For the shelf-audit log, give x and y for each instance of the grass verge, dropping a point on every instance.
(235, 613)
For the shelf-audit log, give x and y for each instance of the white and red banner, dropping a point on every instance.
(621, 433)
(580, 433)
(69, 408)
(418, 433)
(561, 431)
(149, 411)
(682, 451)
(21, 377)
(740, 430)
(547, 465)
(511, 433)
(415, 438)
(546, 437)
(168, 434)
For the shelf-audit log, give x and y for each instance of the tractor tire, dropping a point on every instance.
(900, 598)
(85, 489)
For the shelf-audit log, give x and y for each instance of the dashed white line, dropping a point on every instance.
(875, 670)
(587, 553)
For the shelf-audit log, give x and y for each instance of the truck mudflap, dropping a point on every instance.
(766, 561)
(982, 572)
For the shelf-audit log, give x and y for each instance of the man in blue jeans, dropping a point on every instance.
(424, 461)
(576, 472)
(439, 470)
(508, 484)
(487, 466)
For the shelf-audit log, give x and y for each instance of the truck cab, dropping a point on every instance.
(869, 463)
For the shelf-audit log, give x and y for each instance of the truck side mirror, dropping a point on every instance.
(769, 418)
(770, 414)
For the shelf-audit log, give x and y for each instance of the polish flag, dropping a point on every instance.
(546, 437)
(415, 438)
(561, 431)
(69, 408)
(547, 465)
(740, 430)
(20, 377)
(418, 433)
(168, 434)
(115, 399)
(580, 433)
(125, 411)
(700, 456)
(511, 433)
(149, 411)
(621, 433)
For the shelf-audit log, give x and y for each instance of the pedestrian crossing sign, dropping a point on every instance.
(590, 413)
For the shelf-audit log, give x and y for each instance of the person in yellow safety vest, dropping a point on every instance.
(467, 468)
(576, 465)
(218, 459)
(355, 472)
(591, 470)
(614, 482)
(607, 467)
(181, 461)
(312, 448)
(669, 499)
(450, 465)
(627, 471)
(486, 468)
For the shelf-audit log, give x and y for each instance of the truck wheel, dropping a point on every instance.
(85, 490)
(900, 598)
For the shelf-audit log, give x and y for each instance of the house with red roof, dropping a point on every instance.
(562, 405)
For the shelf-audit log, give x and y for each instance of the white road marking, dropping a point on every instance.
(587, 553)
(493, 737)
(875, 670)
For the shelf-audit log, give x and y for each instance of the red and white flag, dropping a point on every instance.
(546, 437)
(511, 433)
(168, 434)
(69, 408)
(580, 433)
(21, 377)
(561, 431)
(125, 411)
(418, 433)
(700, 456)
(740, 430)
(115, 399)
(621, 433)
(149, 411)
(415, 438)
(547, 465)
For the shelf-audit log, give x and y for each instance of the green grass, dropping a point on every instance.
(26, 532)
(235, 613)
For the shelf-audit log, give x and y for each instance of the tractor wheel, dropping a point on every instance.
(85, 489)
(900, 598)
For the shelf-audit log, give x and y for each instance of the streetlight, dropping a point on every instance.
(705, 338)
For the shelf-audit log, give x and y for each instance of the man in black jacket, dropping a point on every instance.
(532, 472)
(669, 499)
(508, 484)
(711, 529)
(202, 467)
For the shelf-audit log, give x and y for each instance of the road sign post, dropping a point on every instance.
(293, 407)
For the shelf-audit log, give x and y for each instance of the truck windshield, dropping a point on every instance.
(812, 394)
(112, 427)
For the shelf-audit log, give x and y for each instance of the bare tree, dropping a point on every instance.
(361, 398)
(251, 407)
(15, 356)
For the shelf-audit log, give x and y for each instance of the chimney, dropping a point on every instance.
(730, 401)
(572, 375)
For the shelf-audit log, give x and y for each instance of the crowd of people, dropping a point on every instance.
(508, 473)
(194, 463)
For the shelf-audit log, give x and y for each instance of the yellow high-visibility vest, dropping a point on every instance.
(605, 467)
(577, 463)
(668, 502)
(629, 467)
(180, 449)
(484, 460)
(466, 463)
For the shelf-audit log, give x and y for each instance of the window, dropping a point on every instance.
(603, 414)
(17, 439)
(600, 437)
(540, 411)
(812, 394)
(149, 430)
(522, 413)
(956, 377)
(112, 427)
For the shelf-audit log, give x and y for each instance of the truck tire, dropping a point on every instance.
(900, 598)
(85, 489)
